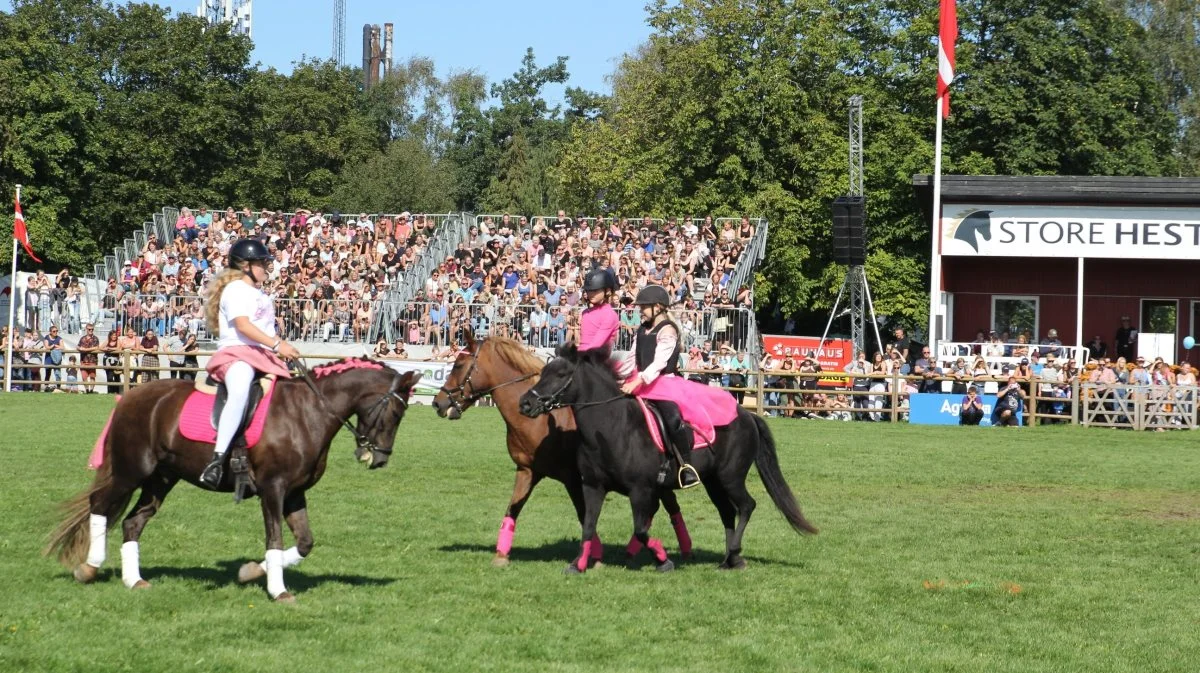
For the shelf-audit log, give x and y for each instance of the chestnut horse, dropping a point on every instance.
(540, 447)
(143, 449)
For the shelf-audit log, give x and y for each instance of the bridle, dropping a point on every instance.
(465, 399)
(372, 414)
(554, 400)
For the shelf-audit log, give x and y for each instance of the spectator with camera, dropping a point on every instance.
(1009, 402)
(971, 408)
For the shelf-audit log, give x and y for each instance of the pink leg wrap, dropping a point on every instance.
(656, 545)
(597, 548)
(634, 546)
(681, 533)
(582, 561)
(504, 541)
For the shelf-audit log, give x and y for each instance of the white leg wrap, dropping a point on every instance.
(131, 573)
(98, 526)
(291, 557)
(275, 573)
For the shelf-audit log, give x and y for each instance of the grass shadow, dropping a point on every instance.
(225, 574)
(566, 549)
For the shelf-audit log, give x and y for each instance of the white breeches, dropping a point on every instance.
(238, 379)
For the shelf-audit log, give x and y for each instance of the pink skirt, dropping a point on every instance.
(703, 407)
(262, 359)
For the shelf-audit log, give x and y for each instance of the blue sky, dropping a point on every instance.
(488, 36)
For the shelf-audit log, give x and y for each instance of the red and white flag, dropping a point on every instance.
(20, 232)
(947, 36)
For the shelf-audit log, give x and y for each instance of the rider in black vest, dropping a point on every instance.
(657, 325)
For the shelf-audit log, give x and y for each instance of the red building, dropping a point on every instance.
(1074, 254)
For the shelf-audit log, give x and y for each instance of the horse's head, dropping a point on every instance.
(379, 417)
(458, 393)
(557, 387)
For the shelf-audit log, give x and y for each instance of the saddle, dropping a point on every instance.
(658, 428)
(661, 438)
(202, 414)
(262, 384)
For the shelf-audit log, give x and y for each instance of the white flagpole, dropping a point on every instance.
(12, 304)
(935, 254)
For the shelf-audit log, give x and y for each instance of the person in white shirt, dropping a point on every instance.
(243, 317)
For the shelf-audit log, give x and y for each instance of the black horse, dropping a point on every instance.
(618, 454)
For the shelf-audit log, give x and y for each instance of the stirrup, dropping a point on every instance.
(687, 469)
(213, 473)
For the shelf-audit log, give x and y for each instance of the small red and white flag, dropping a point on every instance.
(20, 232)
(947, 36)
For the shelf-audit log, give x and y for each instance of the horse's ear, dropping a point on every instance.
(405, 381)
(568, 350)
(469, 336)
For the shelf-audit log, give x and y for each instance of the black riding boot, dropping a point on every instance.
(684, 438)
(213, 472)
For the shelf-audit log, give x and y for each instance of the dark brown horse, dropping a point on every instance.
(540, 447)
(144, 450)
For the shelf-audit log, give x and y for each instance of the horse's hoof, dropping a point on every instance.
(687, 558)
(499, 561)
(250, 572)
(140, 584)
(285, 597)
(595, 564)
(736, 564)
(665, 566)
(86, 574)
(572, 570)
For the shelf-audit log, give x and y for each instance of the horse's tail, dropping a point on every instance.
(767, 463)
(70, 541)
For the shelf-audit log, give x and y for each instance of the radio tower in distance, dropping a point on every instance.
(339, 32)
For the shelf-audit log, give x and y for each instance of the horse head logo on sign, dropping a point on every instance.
(976, 224)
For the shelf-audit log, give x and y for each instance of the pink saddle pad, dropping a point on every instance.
(656, 435)
(195, 421)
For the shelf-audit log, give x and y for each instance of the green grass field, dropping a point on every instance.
(942, 549)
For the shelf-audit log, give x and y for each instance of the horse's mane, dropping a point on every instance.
(512, 353)
(345, 365)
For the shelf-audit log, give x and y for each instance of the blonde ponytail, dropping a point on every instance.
(212, 309)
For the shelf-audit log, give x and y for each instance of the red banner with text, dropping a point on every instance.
(833, 356)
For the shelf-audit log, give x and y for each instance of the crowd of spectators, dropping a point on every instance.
(513, 276)
(510, 276)
(522, 279)
(1044, 374)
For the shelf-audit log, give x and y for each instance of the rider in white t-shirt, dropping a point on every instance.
(244, 319)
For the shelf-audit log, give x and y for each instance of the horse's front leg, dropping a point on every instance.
(272, 497)
(522, 488)
(295, 512)
(644, 504)
(593, 501)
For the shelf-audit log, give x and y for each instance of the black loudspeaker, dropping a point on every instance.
(850, 230)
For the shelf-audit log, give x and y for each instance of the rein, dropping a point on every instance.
(554, 400)
(362, 440)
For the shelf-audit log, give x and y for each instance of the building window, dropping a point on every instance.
(1159, 316)
(1015, 315)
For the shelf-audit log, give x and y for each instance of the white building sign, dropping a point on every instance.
(1115, 232)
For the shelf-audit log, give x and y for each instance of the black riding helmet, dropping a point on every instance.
(248, 250)
(653, 295)
(599, 279)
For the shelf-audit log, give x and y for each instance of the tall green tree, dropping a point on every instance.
(734, 106)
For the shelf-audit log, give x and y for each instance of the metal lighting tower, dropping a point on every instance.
(339, 32)
(855, 283)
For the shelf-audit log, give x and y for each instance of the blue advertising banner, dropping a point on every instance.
(942, 409)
